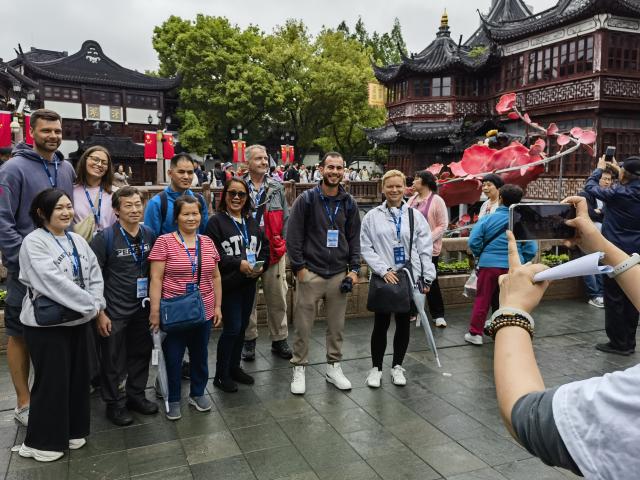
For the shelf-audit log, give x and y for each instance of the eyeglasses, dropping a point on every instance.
(236, 193)
(98, 161)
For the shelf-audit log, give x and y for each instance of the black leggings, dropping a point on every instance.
(379, 338)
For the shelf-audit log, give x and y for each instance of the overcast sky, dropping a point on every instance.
(124, 27)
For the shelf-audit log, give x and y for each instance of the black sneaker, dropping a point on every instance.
(143, 406)
(226, 385)
(606, 347)
(241, 376)
(119, 416)
(186, 369)
(282, 349)
(249, 350)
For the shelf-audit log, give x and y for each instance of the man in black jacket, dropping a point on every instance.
(323, 243)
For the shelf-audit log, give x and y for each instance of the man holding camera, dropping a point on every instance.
(621, 226)
(323, 243)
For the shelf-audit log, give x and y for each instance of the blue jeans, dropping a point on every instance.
(237, 305)
(197, 341)
(593, 286)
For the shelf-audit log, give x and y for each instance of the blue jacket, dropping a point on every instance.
(621, 225)
(153, 214)
(495, 255)
(22, 177)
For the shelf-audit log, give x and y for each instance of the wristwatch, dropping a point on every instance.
(632, 261)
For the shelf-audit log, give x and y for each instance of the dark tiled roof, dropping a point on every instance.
(119, 147)
(443, 54)
(10, 75)
(501, 11)
(413, 131)
(40, 55)
(90, 65)
(563, 13)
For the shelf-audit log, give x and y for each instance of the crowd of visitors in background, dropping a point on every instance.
(94, 275)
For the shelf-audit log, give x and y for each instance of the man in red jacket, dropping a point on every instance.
(271, 212)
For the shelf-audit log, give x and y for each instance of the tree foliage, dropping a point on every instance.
(288, 80)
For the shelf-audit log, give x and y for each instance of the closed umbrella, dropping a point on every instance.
(161, 377)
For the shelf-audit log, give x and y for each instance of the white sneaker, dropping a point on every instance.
(596, 302)
(397, 376)
(39, 455)
(440, 322)
(76, 443)
(475, 339)
(22, 415)
(374, 378)
(298, 385)
(334, 375)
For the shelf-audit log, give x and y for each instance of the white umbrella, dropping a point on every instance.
(419, 299)
(162, 380)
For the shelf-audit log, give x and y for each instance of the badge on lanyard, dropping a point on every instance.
(142, 287)
(398, 255)
(251, 258)
(192, 287)
(332, 238)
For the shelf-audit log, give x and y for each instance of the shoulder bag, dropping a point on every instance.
(184, 311)
(386, 297)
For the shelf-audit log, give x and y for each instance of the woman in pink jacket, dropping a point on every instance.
(427, 201)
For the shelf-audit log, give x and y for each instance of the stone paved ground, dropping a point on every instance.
(436, 427)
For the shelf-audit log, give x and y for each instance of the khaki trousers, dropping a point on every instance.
(308, 292)
(274, 287)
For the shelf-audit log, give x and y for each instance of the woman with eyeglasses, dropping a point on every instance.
(181, 262)
(244, 255)
(92, 193)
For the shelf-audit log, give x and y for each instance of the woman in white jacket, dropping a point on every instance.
(64, 293)
(384, 245)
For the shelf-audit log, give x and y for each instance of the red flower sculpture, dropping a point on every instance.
(506, 103)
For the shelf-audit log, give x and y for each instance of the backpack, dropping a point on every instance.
(108, 237)
(308, 197)
(164, 205)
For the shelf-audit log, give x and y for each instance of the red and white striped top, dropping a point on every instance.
(177, 270)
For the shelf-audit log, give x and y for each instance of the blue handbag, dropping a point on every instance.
(185, 311)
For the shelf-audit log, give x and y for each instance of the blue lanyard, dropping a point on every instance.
(252, 189)
(244, 232)
(194, 263)
(332, 218)
(136, 259)
(96, 213)
(74, 258)
(397, 222)
(54, 183)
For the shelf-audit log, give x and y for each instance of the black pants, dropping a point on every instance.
(60, 393)
(237, 305)
(434, 297)
(93, 346)
(620, 316)
(125, 354)
(379, 338)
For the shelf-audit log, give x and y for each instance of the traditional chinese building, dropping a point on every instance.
(575, 64)
(101, 102)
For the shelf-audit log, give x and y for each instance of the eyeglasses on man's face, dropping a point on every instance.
(236, 193)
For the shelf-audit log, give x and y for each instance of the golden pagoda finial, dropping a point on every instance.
(444, 20)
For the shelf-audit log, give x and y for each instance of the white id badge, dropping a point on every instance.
(398, 255)
(142, 287)
(251, 258)
(332, 238)
(155, 353)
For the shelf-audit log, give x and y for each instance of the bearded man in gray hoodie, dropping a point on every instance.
(22, 177)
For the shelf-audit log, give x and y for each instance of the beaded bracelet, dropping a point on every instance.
(507, 320)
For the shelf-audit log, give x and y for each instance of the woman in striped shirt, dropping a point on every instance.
(174, 267)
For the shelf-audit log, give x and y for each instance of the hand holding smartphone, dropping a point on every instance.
(258, 265)
(541, 221)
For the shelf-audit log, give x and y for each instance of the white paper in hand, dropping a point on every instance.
(580, 267)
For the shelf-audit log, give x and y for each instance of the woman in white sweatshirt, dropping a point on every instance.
(384, 245)
(64, 293)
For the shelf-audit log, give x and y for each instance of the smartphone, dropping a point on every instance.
(258, 265)
(609, 153)
(541, 221)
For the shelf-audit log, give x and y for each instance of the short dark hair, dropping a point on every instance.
(610, 171)
(44, 114)
(330, 154)
(106, 182)
(43, 205)
(248, 205)
(183, 200)
(217, 165)
(126, 191)
(510, 194)
(493, 178)
(181, 156)
(428, 179)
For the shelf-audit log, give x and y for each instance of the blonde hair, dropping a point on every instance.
(394, 173)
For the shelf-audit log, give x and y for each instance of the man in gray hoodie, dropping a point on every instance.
(27, 173)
